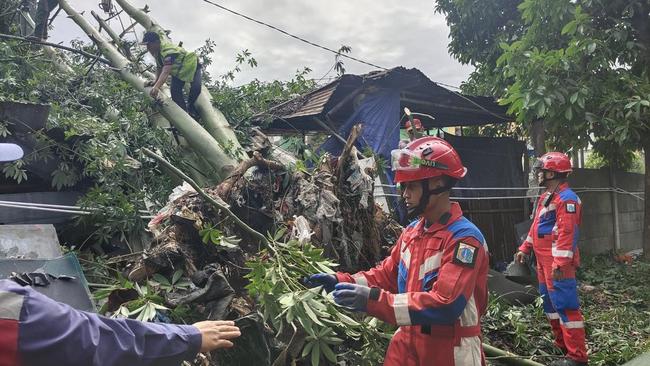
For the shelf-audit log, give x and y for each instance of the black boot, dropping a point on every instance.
(567, 362)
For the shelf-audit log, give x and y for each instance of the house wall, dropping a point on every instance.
(597, 231)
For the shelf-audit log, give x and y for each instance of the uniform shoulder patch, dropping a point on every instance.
(465, 254)
(571, 207)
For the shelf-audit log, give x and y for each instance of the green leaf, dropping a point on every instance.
(311, 314)
(279, 234)
(177, 275)
(591, 48)
(570, 28)
(315, 354)
(347, 320)
(327, 351)
(161, 279)
(541, 110)
(568, 114)
(307, 348)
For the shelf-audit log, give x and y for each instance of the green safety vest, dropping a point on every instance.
(184, 65)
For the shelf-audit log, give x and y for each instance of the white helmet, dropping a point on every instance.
(10, 152)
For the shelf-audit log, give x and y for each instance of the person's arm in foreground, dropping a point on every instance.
(49, 332)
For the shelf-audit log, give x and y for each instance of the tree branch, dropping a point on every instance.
(38, 41)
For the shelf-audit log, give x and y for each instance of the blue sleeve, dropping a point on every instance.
(55, 334)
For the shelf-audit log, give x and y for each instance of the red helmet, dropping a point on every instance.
(426, 157)
(555, 162)
(416, 122)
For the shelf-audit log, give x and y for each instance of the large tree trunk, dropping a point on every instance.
(538, 137)
(646, 218)
(200, 140)
(214, 121)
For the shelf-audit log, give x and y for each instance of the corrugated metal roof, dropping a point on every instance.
(315, 102)
(448, 107)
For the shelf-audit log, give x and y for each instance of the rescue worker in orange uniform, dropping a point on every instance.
(434, 283)
(553, 237)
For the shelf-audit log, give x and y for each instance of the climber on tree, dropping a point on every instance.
(183, 66)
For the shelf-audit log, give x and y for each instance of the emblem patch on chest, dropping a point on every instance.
(465, 254)
(571, 207)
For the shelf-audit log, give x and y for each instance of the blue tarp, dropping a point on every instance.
(380, 114)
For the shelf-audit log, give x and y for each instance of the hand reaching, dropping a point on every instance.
(217, 334)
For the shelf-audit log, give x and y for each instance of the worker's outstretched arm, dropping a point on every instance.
(41, 331)
(384, 275)
(160, 80)
(447, 299)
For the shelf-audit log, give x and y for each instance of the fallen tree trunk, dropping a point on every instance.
(200, 140)
(198, 167)
(214, 121)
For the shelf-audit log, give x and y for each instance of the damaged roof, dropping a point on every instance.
(335, 101)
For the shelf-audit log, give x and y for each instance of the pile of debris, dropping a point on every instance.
(331, 206)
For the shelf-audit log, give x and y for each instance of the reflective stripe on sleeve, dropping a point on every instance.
(10, 305)
(401, 309)
(562, 253)
(360, 279)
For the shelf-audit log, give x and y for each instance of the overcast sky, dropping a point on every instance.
(387, 33)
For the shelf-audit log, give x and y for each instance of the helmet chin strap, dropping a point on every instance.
(415, 212)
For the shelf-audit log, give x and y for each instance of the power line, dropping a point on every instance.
(294, 36)
(347, 56)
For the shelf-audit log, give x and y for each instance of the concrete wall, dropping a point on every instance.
(597, 232)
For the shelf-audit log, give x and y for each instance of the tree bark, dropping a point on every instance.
(646, 218)
(117, 41)
(538, 137)
(197, 136)
(214, 121)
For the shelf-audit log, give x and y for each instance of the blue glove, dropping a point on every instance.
(328, 281)
(352, 296)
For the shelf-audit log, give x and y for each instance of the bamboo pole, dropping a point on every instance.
(200, 140)
(507, 357)
(214, 121)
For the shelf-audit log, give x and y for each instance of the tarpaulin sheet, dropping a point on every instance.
(490, 162)
(380, 114)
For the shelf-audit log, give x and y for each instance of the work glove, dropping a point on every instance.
(352, 296)
(328, 281)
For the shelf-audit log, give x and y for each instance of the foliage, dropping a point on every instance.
(292, 308)
(103, 123)
(633, 162)
(177, 281)
(98, 123)
(616, 316)
(339, 67)
(215, 236)
(240, 103)
(148, 302)
(581, 66)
